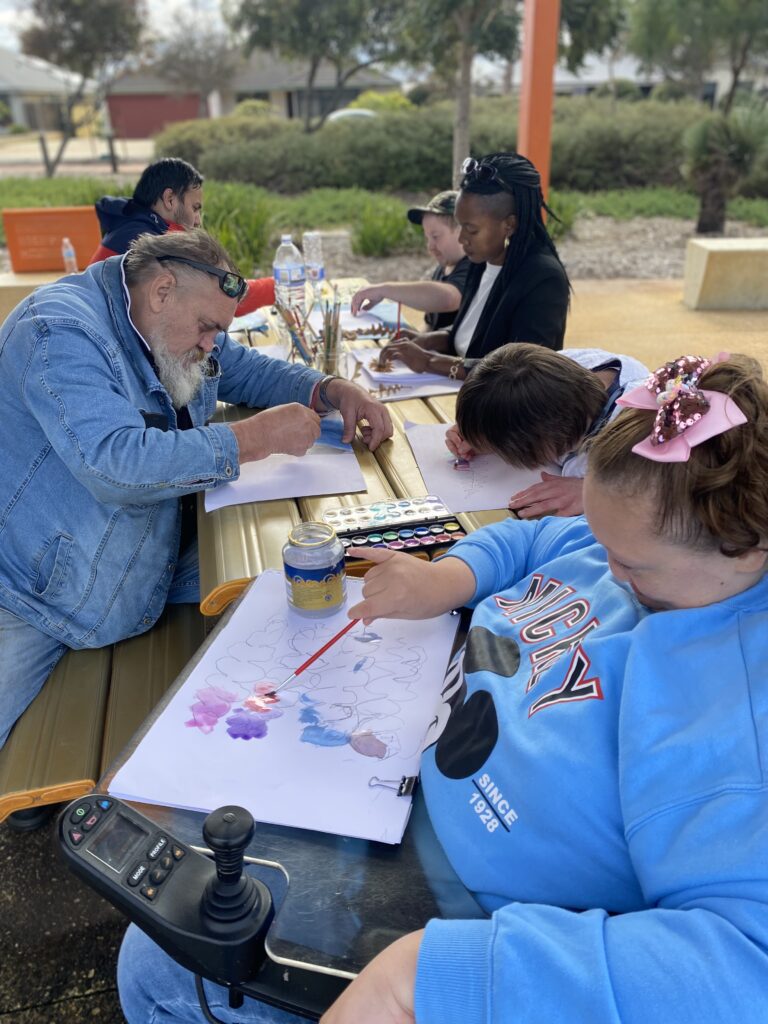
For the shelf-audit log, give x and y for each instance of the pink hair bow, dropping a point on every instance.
(686, 415)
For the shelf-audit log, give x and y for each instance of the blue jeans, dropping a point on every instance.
(28, 656)
(154, 989)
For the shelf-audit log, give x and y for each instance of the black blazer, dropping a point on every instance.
(529, 305)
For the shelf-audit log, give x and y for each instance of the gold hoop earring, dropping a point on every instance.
(506, 242)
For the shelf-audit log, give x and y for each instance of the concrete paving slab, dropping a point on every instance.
(647, 319)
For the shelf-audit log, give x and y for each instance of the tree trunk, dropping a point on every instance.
(309, 93)
(738, 63)
(67, 134)
(712, 206)
(463, 100)
(507, 76)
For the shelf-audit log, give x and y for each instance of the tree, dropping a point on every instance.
(448, 35)
(199, 62)
(88, 37)
(349, 34)
(590, 26)
(720, 151)
(685, 38)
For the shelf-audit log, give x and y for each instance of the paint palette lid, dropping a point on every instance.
(388, 512)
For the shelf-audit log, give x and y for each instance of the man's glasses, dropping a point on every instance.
(230, 283)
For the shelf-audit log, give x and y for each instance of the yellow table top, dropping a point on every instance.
(238, 542)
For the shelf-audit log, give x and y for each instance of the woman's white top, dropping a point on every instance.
(467, 326)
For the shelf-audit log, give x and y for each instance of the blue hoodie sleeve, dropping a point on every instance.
(503, 553)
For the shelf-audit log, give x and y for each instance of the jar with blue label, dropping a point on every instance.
(313, 557)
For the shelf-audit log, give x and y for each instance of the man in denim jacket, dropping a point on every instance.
(107, 382)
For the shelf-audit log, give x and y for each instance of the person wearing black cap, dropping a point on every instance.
(439, 297)
(517, 288)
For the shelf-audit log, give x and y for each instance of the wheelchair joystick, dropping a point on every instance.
(230, 895)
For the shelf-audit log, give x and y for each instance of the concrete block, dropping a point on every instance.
(726, 273)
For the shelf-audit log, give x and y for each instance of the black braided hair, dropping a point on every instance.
(522, 183)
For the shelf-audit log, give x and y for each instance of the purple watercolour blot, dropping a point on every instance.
(247, 725)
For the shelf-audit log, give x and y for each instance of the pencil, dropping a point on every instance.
(313, 658)
(397, 328)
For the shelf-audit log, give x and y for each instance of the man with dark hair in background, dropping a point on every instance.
(167, 197)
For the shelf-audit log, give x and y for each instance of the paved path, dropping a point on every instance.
(20, 156)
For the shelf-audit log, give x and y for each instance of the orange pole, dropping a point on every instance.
(541, 25)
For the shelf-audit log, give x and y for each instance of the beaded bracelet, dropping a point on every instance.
(453, 373)
(322, 391)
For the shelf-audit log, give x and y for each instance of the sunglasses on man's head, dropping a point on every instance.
(230, 283)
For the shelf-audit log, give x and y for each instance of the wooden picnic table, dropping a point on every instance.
(238, 542)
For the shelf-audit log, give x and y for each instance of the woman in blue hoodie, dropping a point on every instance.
(599, 777)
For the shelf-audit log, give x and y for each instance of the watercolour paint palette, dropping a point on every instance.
(415, 525)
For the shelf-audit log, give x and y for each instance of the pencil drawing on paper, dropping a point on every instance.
(353, 695)
(473, 474)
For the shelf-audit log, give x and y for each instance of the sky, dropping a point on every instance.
(160, 16)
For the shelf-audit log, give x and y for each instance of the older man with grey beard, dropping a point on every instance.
(108, 382)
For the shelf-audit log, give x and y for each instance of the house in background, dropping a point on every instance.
(35, 91)
(141, 104)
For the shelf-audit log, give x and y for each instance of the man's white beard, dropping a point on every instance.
(181, 376)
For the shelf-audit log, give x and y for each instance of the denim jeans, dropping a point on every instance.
(154, 989)
(28, 656)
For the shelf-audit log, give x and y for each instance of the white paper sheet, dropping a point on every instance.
(321, 471)
(329, 467)
(415, 390)
(399, 372)
(347, 322)
(313, 759)
(488, 482)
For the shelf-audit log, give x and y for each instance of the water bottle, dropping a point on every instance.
(289, 274)
(312, 244)
(68, 256)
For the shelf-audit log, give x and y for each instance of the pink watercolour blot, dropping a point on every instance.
(262, 698)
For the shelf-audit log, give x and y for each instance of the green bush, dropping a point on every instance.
(607, 145)
(670, 92)
(240, 216)
(566, 207)
(619, 89)
(756, 182)
(253, 108)
(383, 230)
(375, 99)
(189, 139)
(637, 202)
(392, 152)
(598, 143)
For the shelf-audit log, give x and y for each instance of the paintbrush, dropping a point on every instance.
(313, 658)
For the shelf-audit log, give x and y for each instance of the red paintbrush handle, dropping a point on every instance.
(325, 647)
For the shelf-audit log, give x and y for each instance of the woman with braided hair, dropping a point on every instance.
(517, 288)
